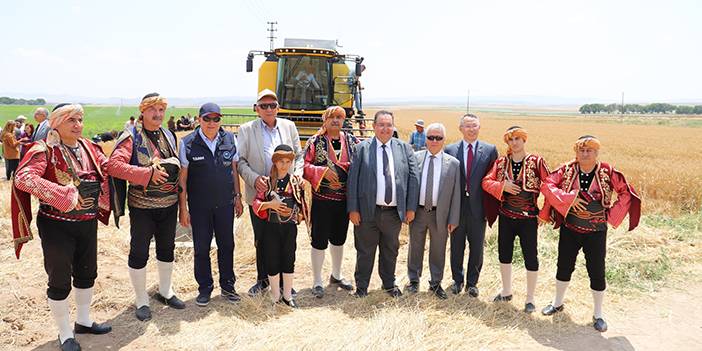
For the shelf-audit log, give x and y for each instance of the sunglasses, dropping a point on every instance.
(435, 138)
(271, 106)
(211, 119)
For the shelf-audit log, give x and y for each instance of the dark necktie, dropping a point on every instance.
(469, 167)
(386, 174)
(429, 187)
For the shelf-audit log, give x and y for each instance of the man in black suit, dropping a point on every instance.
(383, 192)
(476, 158)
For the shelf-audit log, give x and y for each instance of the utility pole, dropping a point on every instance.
(622, 103)
(468, 102)
(271, 35)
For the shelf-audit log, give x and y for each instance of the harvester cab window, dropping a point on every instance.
(304, 82)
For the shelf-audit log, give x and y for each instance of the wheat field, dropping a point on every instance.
(657, 263)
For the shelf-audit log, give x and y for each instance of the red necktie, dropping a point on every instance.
(469, 166)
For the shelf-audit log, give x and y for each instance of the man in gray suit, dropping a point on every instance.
(476, 158)
(439, 210)
(383, 191)
(41, 116)
(257, 141)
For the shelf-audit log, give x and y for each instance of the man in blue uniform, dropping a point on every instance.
(209, 199)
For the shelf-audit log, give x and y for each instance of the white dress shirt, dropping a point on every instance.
(271, 140)
(438, 160)
(380, 192)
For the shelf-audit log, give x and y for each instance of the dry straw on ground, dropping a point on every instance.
(640, 263)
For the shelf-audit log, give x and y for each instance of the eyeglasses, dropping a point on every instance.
(271, 106)
(211, 119)
(435, 138)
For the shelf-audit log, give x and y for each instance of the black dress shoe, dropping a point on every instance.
(456, 288)
(257, 288)
(529, 307)
(473, 291)
(318, 292)
(202, 299)
(143, 313)
(360, 293)
(290, 302)
(412, 287)
(230, 296)
(342, 283)
(95, 328)
(599, 324)
(173, 302)
(500, 298)
(438, 291)
(70, 345)
(394, 292)
(551, 310)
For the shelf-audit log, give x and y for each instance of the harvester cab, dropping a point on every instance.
(309, 75)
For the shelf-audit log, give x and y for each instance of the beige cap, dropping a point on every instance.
(266, 92)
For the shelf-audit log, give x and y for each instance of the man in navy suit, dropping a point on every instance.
(476, 158)
(383, 192)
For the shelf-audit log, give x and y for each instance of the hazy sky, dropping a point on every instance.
(591, 49)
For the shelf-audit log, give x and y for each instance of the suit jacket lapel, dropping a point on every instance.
(372, 160)
(396, 156)
(258, 139)
(444, 172)
(461, 162)
(476, 156)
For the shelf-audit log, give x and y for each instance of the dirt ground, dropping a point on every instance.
(666, 318)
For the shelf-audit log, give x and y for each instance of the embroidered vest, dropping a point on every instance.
(522, 205)
(61, 171)
(291, 197)
(598, 198)
(154, 196)
(322, 158)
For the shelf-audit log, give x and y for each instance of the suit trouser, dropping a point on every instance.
(259, 229)
(438, 235)
(220, 222)
(382, 231)
(473, 230)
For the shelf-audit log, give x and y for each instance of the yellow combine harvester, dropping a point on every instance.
(309, 75)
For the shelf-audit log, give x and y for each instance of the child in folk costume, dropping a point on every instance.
(283, 206)
(514, 183)
(580, 192)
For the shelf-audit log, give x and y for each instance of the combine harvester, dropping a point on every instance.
(309, 75)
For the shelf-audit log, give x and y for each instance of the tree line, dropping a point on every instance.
(658, 108)
(4, 100)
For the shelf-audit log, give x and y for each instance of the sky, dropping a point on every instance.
(589, 50)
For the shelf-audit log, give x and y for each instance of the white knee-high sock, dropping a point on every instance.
(59, 309)
(317, 257)
(531, 285)
(165, 273)
(83, 299)
(506, 273)
(337, 255)
(597, 299)
(561, 287)
(274, 281)
(138, 278)
(287, 285)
